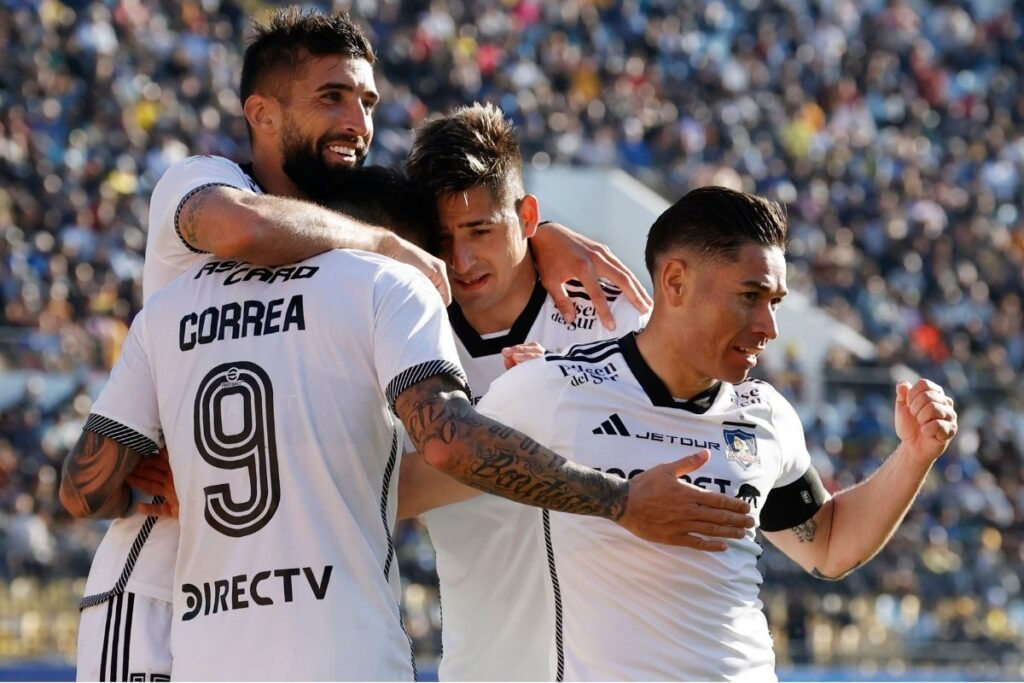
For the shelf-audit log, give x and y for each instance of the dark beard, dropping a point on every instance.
(304, 164)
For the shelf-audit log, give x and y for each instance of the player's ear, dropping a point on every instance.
(263, 114)
(529, 215)
(674, 277)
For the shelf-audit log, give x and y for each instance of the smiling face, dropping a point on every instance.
(484, 243)
(326, 124)
(725, 314)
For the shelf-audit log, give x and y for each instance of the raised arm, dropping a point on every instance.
(480, 452)
(853, 526)
(270, 230)
(93, 480)
(562, 255)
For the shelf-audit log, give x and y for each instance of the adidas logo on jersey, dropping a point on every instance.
(614, 426)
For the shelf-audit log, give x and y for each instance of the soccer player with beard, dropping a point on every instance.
(308, 95)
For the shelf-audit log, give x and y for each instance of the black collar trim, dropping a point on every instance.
(248, 170)
(655, 388)
(477, 346)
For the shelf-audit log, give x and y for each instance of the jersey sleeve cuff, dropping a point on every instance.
(418, 373)
(177, 213)
(125, 436)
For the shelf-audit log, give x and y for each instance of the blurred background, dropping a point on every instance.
(892, 130)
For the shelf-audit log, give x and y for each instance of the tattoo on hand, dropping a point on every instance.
(806, 531)
(92, 484)
(497, 459)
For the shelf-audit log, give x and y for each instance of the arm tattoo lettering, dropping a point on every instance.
(806, 531)
(497, 459)
(92, 484)
(190, 216)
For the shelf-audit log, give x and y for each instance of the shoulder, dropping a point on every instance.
(757, 394)
(575, 290)
(200, 171)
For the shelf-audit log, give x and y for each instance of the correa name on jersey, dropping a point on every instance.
(236, 320)
(241, 592)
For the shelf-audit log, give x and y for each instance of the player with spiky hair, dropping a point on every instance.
(492, 551)
(308, 95)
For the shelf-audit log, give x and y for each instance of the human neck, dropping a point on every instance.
(269, 172)
(503, 315)
(660, 347)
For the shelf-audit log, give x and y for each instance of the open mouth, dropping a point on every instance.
(471, 284)
(750, 352)
(347, 154)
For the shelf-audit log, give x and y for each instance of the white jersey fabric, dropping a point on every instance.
(629, 609)
(274, 389)
(497, 604)
(137, 552)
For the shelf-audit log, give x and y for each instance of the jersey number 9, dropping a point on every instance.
(234, 429)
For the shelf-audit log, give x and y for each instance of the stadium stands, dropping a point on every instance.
(894, 132)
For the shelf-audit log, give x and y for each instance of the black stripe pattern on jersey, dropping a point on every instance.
(116, 652)
(125, 436)
(576, 290)
(556, 592)
(477, 346)
(177, 214)
(129, 564)
(418, 373)
(589, 352)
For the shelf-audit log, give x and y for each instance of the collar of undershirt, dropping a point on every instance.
(248, 170)
(655, 388)
(477, 346)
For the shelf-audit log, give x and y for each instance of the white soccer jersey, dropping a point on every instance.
(137, 552)
(629, 609)
(272, 388)
(496, 595)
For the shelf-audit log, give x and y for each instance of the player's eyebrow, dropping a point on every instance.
(765, 287)
(347, 87)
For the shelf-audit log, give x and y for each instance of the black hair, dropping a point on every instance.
(716, 222)
(385, 196)
(279, 48)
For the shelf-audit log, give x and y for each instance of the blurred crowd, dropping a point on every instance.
(892, 129)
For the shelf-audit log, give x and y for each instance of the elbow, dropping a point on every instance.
(835, 571)
(72, 502)
(238, 242)
(439, 456)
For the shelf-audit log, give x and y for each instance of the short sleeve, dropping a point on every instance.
(795, 458)
(524, 398)
(627, 316)
(412, 339)
(177, 184)
(126, 409)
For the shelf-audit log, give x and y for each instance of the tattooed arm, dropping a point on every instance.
(270, 230)
(93, 481)
(855, 525)
(487, 455)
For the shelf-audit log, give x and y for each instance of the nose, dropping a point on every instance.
(766, 323)
(461, 258)
(357, 119)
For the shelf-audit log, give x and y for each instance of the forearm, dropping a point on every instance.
(270, 230)
(865, 516)
(93, 478)
(291, 230)
(497, 459)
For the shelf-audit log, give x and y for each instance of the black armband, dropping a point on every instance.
(793, 504)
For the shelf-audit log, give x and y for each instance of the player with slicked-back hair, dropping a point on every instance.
(632, 610)
(308, 95)
(491, 551)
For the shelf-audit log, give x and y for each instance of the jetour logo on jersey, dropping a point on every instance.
(741, 447)
(614, 426)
